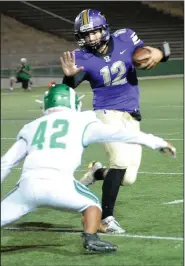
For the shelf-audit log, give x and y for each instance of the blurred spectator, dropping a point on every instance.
(23, 75)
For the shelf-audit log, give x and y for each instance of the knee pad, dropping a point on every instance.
(130, 175)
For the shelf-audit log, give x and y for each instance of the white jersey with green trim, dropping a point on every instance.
(56, 140)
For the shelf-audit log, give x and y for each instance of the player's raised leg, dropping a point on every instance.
(123, 168)
(112, 181)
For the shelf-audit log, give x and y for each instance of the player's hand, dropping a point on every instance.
(169, 149)
(68, 64)
(153, 58)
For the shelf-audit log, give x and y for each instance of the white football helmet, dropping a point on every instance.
(23, 60)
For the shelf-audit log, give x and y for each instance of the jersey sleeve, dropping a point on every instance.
(16, 153)
(88, 118)
(100, 132)
(74, 81)
(130, 36)
(23, 133)
(135, 40)
(13, 156)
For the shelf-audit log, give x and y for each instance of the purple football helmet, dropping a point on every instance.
(90, 20)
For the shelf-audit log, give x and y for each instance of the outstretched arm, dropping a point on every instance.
(100, 132)
(13, 156)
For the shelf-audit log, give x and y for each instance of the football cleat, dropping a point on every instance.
(110, 225)
(92, 242)
(88, 179)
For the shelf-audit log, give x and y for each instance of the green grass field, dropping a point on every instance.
(47, 236)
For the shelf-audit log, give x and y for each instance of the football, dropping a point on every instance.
(138, 54)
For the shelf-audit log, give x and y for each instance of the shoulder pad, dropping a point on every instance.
(123, 34)
(117, 33)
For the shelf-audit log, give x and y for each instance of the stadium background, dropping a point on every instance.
(42, 31)
(152, 209)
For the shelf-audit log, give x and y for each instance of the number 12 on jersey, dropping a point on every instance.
(118, 68)
(39, 137)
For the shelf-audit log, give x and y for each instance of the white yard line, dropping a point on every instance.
(166, 106)
(163, 119)
(174, 202)
(113, 235)
(168, 134)
(147, 237)
(7, 138)
(159, 173)
(147, 173)
(176, 139)
(162, 77)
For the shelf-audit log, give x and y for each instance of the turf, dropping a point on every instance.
(47, 237)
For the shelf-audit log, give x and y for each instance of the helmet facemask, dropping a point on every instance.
(83, 43)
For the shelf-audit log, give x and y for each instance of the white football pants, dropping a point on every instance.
(36, 190)
(122, 155)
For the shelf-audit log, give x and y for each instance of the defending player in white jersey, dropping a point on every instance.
(52, 146)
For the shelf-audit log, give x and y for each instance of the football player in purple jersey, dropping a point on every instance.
(105, 61)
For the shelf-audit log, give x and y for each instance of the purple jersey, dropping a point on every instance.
(113, 77)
